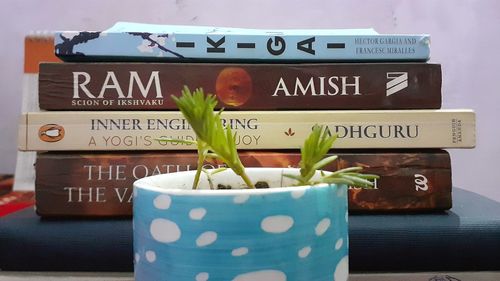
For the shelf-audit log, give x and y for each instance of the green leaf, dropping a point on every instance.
(165, 140)
(345, 170)
(313, 152)
(212, 155)
(199, 111)
(322, 163)
(337, 181)
(218, 170)
(357, 181)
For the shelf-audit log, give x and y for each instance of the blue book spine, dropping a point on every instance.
(225, 46)
(464, 239)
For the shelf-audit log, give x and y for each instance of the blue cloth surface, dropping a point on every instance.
(466, 238)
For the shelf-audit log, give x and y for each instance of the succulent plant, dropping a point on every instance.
(216, 141)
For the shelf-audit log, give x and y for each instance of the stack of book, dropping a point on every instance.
(107, 105)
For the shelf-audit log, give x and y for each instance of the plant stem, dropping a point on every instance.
(209, 179)
(247, 181)
(201, 159)
(196, 180)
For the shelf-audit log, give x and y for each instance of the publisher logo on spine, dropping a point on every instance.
(397, 82)
(51, 133)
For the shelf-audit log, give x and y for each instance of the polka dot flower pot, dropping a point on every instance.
(273, 234)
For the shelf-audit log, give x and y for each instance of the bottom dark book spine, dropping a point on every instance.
(100, 184)
(465, 238)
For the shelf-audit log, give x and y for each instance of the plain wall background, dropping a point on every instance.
(465, 40)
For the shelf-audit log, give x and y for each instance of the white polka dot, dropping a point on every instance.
(165, 231)
(240, 199)
(342, 270)
(339, 244)
(202, 276)
(137, 257)
(277, 224)
(206, 238)
(239, 252)
(197, 214)
(162, 202)
(263, 275)
(322, 226)
(150, 256)
(296, 194)
(304, 252)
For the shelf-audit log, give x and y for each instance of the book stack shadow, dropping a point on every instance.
(106, 107)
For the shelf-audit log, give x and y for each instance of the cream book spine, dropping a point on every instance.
(118, 130)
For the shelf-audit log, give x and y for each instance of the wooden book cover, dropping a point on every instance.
(149, 86)
(100, 184)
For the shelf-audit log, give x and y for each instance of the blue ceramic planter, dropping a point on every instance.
(274, 234)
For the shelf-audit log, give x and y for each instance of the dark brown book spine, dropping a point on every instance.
(100, 184)
(149, 86)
